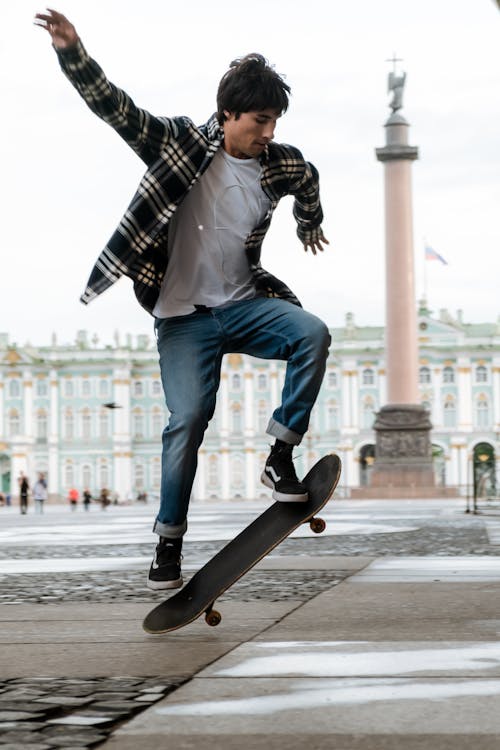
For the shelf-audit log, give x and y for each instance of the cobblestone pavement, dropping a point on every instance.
(106, 587)
(42, 713)
(46, 713)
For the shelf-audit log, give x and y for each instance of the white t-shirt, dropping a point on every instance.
(207, 263)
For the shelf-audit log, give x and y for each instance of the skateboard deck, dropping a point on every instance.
(274, 525)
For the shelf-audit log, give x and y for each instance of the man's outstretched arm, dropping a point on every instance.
(146, 134)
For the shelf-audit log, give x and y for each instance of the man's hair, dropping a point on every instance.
(251, 85)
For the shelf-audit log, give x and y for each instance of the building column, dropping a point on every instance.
(249, 471)
(122, 474)
(464, 396)
(19, 463)
(224, 406)
(249, 402)
(122, 439)
(459, 470)
(225, 478)
(437, 406)
(53, 478)
(3, 425)
(345, 400)
(28, 430)
(199, 486)
(274, 386)
(496, 397)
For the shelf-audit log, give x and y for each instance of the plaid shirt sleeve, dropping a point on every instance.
(307, 206)
(146, 134)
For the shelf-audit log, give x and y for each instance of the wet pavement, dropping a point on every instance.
(381, 633)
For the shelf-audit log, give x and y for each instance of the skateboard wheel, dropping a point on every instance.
(213, 618)
(318, 525)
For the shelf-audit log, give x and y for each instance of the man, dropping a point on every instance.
(191, 241)
(24, 488)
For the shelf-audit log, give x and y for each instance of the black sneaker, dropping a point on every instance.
(165, 570)
(279, 475)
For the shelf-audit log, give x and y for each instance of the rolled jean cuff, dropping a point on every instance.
(281, 432)
(170, 531)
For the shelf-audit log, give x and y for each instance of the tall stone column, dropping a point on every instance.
(403, 456)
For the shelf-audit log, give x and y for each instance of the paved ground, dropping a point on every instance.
(382, 633)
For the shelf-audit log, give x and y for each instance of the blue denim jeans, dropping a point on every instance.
(191, 348)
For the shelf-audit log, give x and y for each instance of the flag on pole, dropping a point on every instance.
(431, 254)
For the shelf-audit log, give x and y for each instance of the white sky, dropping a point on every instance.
(67, 177)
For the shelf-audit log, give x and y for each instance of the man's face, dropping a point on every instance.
(247, 136)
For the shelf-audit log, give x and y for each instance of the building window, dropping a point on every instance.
(86, 389)
(104, 475)
(139, 477)
(103, 425)
(69, 475)
(236, 382)
(86, 425)
(86, 477)
(424, 375)
(156, 388)
(14, 389)
(449, 413)
(213, 472)
(69, 425)
(41, 387)
(331, 379)
(481, 374)
(237, 473)
(332, 416)
(262, 416)
(262, 382)
(368, 414)
(138, 388)
(237, 419)
(156, 473)
(138, 425)
(14, 423)
(157, 423)
(482, 412)
(68, 388)
(103, 388)
(41, 425)
(368, 376)
(448, 375)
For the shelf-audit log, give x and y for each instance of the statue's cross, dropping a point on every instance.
(394, 60)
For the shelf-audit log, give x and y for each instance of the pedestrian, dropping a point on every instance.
(104, 498)
(40, 493)
(24, 488)
(73, 496)
(191, 242)
(87, 498)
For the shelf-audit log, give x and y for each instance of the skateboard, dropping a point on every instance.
(267, 531)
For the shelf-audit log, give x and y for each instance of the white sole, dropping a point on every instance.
(281, 497)
(164, 585)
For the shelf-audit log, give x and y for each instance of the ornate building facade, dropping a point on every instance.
(55, 414)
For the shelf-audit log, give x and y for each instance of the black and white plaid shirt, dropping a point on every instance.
(177, 153)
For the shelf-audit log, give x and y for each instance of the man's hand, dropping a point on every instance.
(316, 245)
(63, 32)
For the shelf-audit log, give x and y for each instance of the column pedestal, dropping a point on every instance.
(403, 448)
